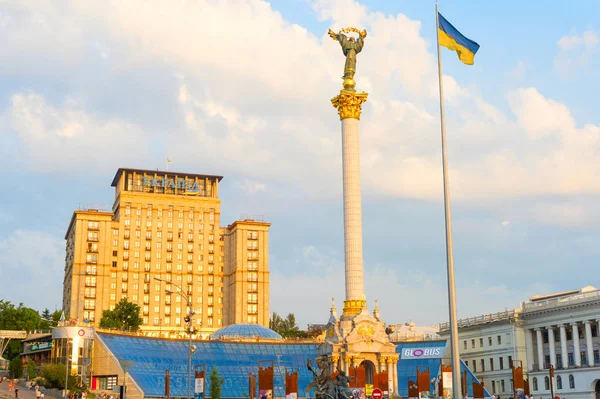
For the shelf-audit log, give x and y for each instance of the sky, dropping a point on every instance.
(242, 89)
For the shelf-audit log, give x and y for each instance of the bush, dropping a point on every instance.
(54, 374)
(15, 368)
(31, 370)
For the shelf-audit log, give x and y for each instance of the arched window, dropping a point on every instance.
(558, 382)
(535, 386)
(571, 381)
(546, 383)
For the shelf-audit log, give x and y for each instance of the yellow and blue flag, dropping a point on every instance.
(452, 39)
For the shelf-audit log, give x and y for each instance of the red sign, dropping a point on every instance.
(377, 393)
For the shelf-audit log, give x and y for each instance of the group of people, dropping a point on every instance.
(12, 386)
(105, 395)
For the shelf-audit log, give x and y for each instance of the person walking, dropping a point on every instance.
(16, 392)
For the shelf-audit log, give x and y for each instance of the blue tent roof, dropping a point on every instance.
(245, 331)
(234, 360)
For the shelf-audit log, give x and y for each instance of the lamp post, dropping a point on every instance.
(190, 328)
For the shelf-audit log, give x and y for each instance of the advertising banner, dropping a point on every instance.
(435, 352)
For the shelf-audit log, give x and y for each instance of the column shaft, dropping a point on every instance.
(564, 352)
(576, 347)
(529, 348)
(540, 348)
(589, 345)
(352, 210)
(551, 346)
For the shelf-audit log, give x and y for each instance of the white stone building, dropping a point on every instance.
(488, 345)
(562, 330)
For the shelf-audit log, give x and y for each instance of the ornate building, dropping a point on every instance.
(562, 331)
(161, 246)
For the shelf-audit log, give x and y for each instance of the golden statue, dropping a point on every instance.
(350, 47)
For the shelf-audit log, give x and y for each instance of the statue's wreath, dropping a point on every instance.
(362, 33)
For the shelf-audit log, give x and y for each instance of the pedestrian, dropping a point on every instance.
(16, 392)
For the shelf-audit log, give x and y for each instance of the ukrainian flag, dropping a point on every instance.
(452, 39)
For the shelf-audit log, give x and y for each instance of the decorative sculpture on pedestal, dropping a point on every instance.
(350, 48)
(325, 386)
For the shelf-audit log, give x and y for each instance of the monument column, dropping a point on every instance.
(349, 106)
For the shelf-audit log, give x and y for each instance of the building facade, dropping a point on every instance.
(161, 246)
(488, 346)
(562, 330)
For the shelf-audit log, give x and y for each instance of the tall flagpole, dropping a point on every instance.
(456, 391)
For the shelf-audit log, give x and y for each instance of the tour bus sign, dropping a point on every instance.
(182, 184)
(422, 353)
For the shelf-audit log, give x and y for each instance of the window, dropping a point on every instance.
(583, 357)
(546, 383)
(472, 343)
(501, 359)
(571, 381)
(502, 386)
(490, 341)
(493, 386)
(481, 342)
(482, 364)
(535, 384)
(474, 366)
(571, 359)
(464, 342)
(596, 356)
(491, 363)
(558, 382)
(510, 362)
(499, 339)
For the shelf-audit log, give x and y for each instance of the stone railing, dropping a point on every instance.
(483, 319)
(556, 302)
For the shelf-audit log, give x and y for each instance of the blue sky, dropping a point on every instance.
(242, 89)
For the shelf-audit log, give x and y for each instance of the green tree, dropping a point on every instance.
(46, 314)
(31, 369)
(216, 384)
(20, 318)
(125, 317)
(54, 374)
(15, 367)
(287, 327)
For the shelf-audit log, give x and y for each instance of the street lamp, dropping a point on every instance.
(190, 328)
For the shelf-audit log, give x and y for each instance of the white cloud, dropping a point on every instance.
(34, 260)
(250, 95)
(575, 52)
(65, 137)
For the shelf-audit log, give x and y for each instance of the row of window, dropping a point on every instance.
(159, 225)
(159, 235)
(571, 359)
(482, 364)
(167, 321)
(93, 247)
(168, 268)
(569, 333)
(490, 342)
(559, 383)
(169, 256)
(169, 212)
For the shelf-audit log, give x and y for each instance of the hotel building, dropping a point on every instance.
(162, 245)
